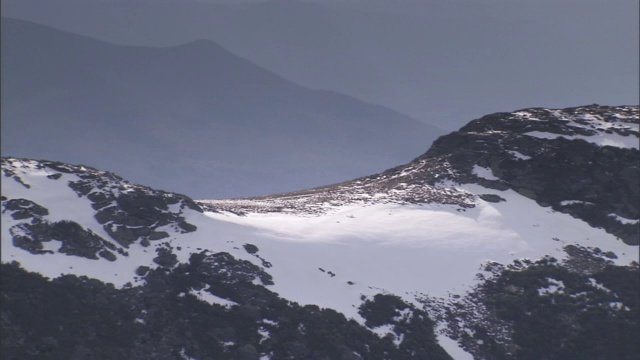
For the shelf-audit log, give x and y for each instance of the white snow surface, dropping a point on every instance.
(211, 299)
(519, 155)
(452, 347)
(183, 354)
(624, 220)
(264, 334)
(382, 247)
(483, 172)
(553, 286)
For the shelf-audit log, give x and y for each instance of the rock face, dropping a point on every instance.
(582, 161)
(128, 213)
(74, 239)
(32, 235)
(24, 209)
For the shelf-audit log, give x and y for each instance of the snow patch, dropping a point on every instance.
(598, 286)
(518, 155)
(624, 220)
(264, 334)
(618, 306)
(573, 202)
(554, 286)
(183, 355)
(211, 299)
(484, 173)
(452, 347)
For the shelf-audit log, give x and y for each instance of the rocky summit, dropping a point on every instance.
(515, 237)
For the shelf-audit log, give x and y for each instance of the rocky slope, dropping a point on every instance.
(515, 237)
(581, 161)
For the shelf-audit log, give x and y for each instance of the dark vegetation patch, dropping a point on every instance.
(381, 309)
(165, 257)
(582, 308)
(79, 318)
(413, 330)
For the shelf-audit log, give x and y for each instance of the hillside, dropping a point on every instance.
(514, 237)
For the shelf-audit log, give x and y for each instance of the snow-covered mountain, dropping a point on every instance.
(520, 229)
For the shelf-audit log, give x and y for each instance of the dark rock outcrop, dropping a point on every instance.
(24, 209)
(132, 212)
(557, 158)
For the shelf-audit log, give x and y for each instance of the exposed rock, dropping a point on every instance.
(165, 258)
(74, 239)
(142, 270)
(250, 248)
(157, 235)
(132, 212)
(187, 227)
(107, 255)
(492, 198)
(24, 209)
(225, 268)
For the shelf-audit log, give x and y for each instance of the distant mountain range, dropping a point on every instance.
(515, 237)
(442, 62)
(191, 118)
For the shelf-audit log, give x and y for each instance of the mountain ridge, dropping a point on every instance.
(395, 56)
(450, 261)
(459, 157)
